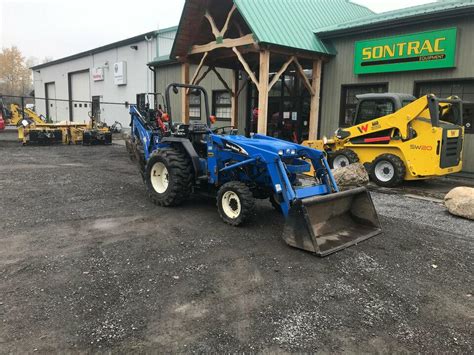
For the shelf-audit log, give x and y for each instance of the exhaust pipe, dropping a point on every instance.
(326, 224)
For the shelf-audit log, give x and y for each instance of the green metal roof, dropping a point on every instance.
(398, 17)
(166, 30)
(161, 61)
(291, 23)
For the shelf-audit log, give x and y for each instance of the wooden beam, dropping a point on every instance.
(246, 67)
(315, 100)
(303, 76)
(280, 72)
(215, 30)
(263, 91)
(184, 97)
(203, 76)
(235, 99)
(295, 53)
(226, 43)
(198, 70)
(221, 79)
(226, 25)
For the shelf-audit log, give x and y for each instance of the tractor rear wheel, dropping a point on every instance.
(388, 170)
(343, 158)
(168, 177)
(235, 203)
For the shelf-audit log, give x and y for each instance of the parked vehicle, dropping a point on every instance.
(398, 137)
(176, 160)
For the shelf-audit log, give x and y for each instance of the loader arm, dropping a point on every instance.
(141, 131)
(17, 115)
(399, 120)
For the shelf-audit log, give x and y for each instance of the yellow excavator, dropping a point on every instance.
(398, 137)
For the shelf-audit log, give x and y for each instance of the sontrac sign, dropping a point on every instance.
(416, 51)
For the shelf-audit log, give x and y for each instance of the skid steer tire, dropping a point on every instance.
(343, 158)
(387, 170)
(235, 203)
(168, 177)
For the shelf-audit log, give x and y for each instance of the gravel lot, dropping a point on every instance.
(87, 263)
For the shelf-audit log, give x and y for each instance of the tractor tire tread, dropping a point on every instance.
(179, 166)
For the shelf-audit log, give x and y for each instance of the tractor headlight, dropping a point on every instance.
(293, 152)
(288, 151)
(281, 152)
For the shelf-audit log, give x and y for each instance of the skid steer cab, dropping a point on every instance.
(178, 159)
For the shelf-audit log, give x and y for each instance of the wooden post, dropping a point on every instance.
(235, 99)
(184, 96)
(315, 100)
(263, 91)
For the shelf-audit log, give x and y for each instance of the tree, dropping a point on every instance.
(15, 75)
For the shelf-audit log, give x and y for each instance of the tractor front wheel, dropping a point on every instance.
(388, 170)
(235, 203)
(168, 177)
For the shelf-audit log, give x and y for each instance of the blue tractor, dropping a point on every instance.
(177, 160)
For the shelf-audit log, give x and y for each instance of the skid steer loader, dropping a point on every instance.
(177, 159)
(398, 137)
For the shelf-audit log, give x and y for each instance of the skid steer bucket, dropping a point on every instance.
(326, 224)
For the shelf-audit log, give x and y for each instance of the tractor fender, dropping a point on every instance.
(189, 149)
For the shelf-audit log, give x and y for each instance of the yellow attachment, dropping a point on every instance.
(17, 116)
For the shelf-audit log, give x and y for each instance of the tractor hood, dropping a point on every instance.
(266, 143)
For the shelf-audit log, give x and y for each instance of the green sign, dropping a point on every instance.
(417, 51)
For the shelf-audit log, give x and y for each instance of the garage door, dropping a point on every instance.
(79, 84)
(51, 107)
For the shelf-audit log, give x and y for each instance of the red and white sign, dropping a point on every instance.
(98, 74)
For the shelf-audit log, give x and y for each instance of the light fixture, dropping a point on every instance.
(134, 47)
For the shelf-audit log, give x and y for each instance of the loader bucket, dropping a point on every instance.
(326, 224)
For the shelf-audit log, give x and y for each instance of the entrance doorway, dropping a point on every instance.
(288, 109)
(96, 108)
(51, 107)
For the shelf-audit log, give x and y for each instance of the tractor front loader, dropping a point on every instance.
(177, 159)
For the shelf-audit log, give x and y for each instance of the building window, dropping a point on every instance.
(464, 89)
(222, 105)
(195, 107)
(349, 95)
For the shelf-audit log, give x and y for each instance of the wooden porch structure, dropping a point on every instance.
(214, 35)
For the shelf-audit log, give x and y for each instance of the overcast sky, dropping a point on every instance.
(58, 28)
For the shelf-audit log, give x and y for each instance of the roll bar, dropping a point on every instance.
(433, 105)
(175, 87)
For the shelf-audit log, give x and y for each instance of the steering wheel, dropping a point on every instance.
(223, 129)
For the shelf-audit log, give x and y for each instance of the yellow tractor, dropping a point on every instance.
(398, 137)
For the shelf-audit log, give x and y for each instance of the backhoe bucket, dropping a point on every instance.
(326, 224)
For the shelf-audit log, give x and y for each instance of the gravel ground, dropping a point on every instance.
(87, 263)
